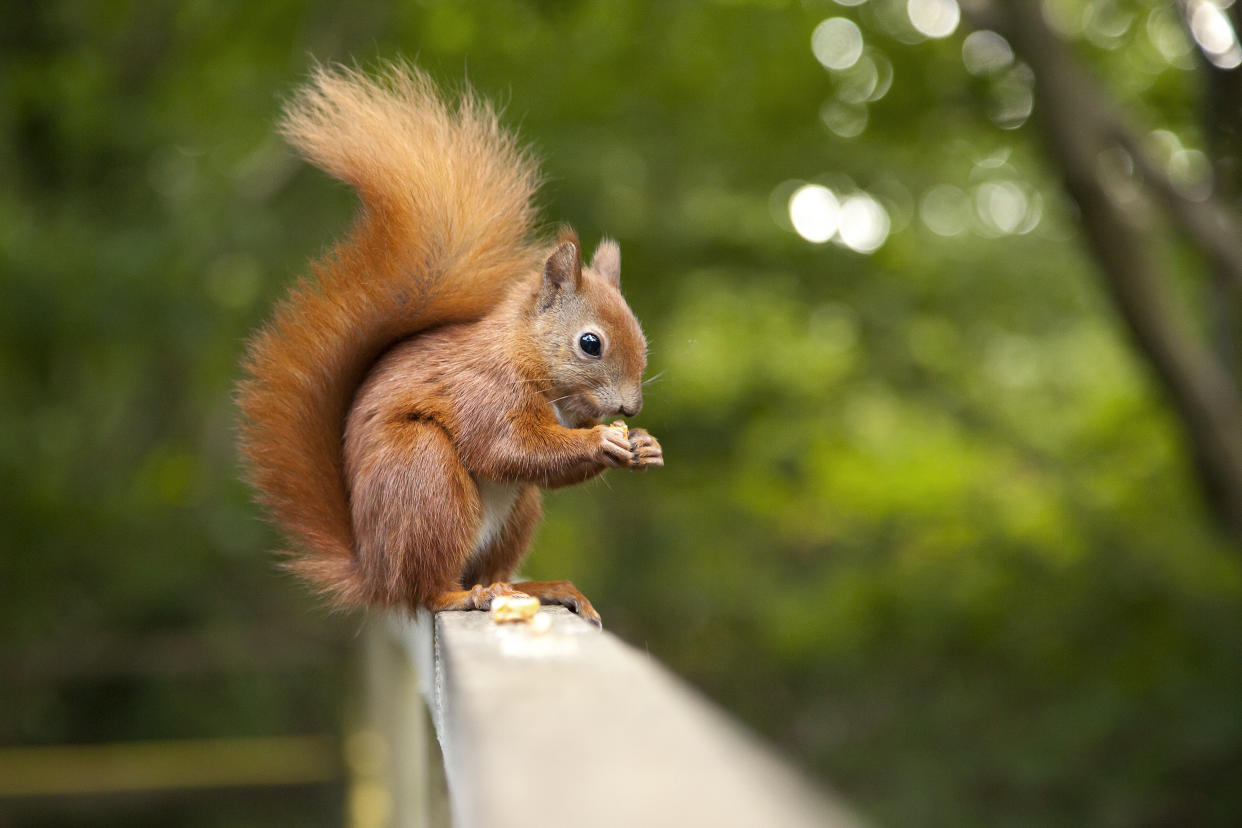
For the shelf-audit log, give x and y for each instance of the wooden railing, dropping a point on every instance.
(565, 727)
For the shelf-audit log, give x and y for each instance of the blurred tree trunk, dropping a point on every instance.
(1222, 124)
(1083, 129)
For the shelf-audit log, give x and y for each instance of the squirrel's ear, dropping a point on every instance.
(607, 261)
(562, 271)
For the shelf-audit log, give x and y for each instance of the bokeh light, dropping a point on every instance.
(1212, 30)
(814, 211)
(884, 72)
(1001, 206)
(1191, 172)
(1166, 33)
(1013, 97)
(934, 18)
(985, 52)
(843, 119)
(858, 83)
(945, 210)
(837, 43)
(1106, 24)
(863, 223)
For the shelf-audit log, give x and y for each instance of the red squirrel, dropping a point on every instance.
(409, 399)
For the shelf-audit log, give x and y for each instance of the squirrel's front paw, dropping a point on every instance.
(613, 446)
(645, 450)
(626, 447)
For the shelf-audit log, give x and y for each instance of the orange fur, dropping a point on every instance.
(446, 215)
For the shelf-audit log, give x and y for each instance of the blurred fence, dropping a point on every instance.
(568, 724)
(171, 765)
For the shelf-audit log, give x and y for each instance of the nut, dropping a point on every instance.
(514, 608)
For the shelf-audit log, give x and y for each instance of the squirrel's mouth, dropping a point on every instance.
(578, 410)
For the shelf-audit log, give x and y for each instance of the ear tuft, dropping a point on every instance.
(562, 271)
(607, 261)
(565, 233)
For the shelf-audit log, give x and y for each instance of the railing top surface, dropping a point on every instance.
(574, 725)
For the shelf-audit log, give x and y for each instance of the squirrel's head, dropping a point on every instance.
(590, 345)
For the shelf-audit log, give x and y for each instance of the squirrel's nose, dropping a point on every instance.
(631, 407)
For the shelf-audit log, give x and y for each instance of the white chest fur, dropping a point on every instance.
(560, 416)
(497, 500)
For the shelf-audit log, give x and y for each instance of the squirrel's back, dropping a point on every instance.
(443, 231)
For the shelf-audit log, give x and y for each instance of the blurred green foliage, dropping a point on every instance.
(926, 522)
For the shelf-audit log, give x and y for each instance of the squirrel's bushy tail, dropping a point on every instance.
(444, 229)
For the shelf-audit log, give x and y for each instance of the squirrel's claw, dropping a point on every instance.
(562, 593)
(645, 450)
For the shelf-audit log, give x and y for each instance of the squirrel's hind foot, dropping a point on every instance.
(561, 593)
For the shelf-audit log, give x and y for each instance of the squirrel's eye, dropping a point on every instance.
(590, 344)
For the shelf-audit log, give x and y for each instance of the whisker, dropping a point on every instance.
(653, 378)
